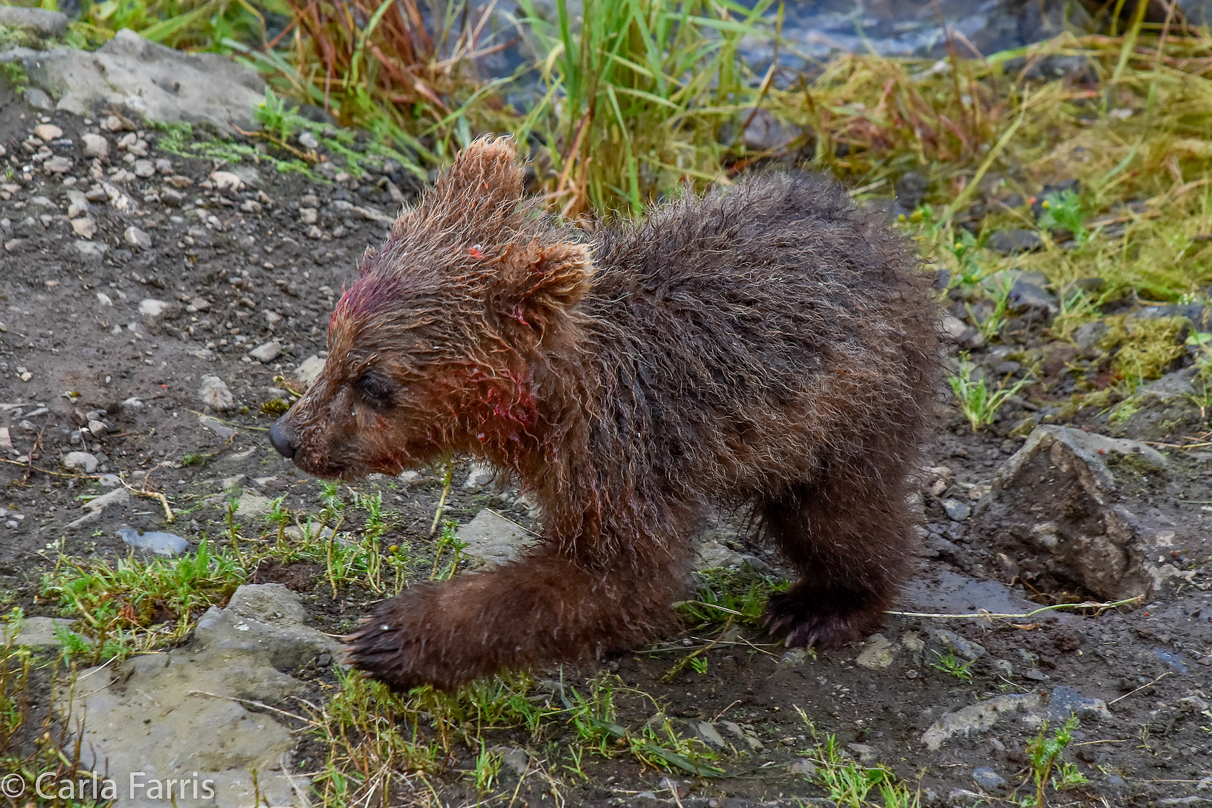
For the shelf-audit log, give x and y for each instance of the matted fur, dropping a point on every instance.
(769, 345)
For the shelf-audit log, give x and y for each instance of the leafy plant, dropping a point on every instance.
(1044, 754)
(977, 401)
(950, 664)
(1064, 211)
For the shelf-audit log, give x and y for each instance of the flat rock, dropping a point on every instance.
(42, 22)
(195, 694)
(95, 146)
(215, 395)
(151, 308)
(157, 82)
(165, 544)
(81, 461)
(137, 238)
(48, 132)
(37, 632)
(308, 370)
(878, 653)
(1014, 241)
(1061, 496)
(492, 540)
(84, 227)
(266, 352)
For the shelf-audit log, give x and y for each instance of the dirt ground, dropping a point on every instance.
(236, 269)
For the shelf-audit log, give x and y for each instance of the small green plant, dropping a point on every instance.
(1064, 211)
(949, 663)
(723, 595)
(16, 75)
(992, 324)
(488, 767)
(848, 783)
(1044, 753)
(978, 403)
(964, 250)
(447, 540)
(140, 605)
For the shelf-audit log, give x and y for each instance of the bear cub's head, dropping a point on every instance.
(432, 350)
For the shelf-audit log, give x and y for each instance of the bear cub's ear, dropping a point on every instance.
(485, 174)
(540, 283)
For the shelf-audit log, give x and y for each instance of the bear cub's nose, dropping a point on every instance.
(280, 438)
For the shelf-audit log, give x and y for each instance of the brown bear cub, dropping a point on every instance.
(769, 346)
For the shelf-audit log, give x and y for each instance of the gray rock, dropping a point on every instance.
(492, 540)
(45, 24)
(803, 767)
(268, 603)
(765, 132)
(1065, 701)
(964, 648)
(480, 475)
(37, 632)
(84, 227)
(81, 461)
(708, 734)
(192, 692)
(965, 336)
(1162, 408)
(1060, 497)
(308, 370)
(911, 189)
(266, 352)
(956, 509)
(151, 308)
(95, 146)
(878, 653)
(91, 250)
(1026, 298)
(745, 734)
(514, 759)
(58, 164)
(866, 754)
(714, 555)
(1176, 385)
(165, 544)
(159, 83)
(1014, 241)
(1088, 335)
(38, 99)
(215, 395)
(1051, 67)
(979, 717)
(144, 169)
(137, 238)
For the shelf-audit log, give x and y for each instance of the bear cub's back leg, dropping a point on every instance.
(848, 535)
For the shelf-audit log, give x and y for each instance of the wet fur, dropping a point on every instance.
(769, 345)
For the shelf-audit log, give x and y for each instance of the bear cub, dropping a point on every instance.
(769, 346)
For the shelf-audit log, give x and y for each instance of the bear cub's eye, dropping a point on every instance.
(375, 389)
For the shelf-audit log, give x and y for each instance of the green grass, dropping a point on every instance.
(978, 402)
(638, 94)
(133, 605)
(850, 784)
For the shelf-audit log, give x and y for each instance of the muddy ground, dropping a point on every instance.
(236, 269)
